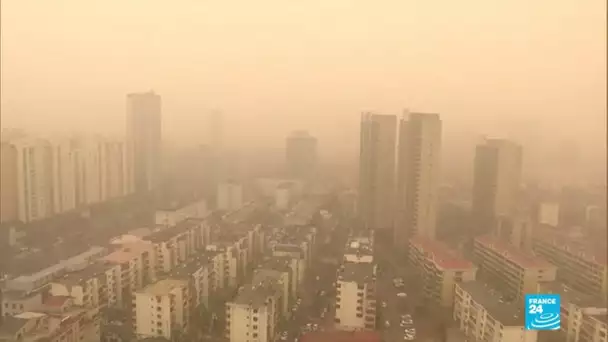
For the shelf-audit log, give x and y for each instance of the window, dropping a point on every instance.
(255, 319)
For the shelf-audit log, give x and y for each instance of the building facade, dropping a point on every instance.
(496, 183)
(144, 134)
(418, 172)
(377, 170)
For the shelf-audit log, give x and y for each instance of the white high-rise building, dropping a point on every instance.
(114, 180)
(64, 176)
(34, 179)
(89, 175)
(418, 173)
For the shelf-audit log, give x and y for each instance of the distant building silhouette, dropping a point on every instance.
(496, 184)
(301, 155)
(144, 135)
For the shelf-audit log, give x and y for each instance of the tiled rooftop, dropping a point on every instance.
(441, 254)
(521, 258)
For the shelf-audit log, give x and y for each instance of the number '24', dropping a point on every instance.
(534, 309)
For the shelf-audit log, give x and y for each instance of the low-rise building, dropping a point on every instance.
(518, 271)
(59, 325)
(30, 282)
(483, 314)
(440, 268)
(162, 309)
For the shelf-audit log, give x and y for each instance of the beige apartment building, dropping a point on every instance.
(584, 317)
(136, 262)
(254, 314)
(440, 269)
(377, 170)
(418, 172)
(484, 315)
(582, 265)
(162, 309)
(517, 271)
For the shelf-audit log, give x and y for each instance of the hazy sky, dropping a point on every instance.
(535, 69)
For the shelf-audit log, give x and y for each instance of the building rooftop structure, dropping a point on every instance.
(518, 256)
(166, 233)
(128, 252)
(187, 269)
(588, 249)
(342, 336)
(507, 313)
(357, 272)
(443, 257)
(256, 293)
(74, 262)
(164, 287)
(569, 295)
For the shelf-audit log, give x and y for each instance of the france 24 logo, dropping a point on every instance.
(542, 312)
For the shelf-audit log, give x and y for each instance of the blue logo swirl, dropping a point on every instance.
(546, 321)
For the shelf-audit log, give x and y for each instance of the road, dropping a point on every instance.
(318, 291)
(426, 329)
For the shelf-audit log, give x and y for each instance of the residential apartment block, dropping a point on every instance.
(584, 317)
(484, 315)
(253, 315)
(162, 309)
(518, 272)
(581, 265)
(356, 286)
(440, 268)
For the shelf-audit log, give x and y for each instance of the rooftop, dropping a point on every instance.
(443, 257)
(187, 269)
(164, 287)
(521, 258)
(76, 277)
(584, 248)
(507, 313)
(342, 336)
(166, 234)
(569, 295)
(11, 325)
(356, 272)
(128, 252)
(255, 294)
